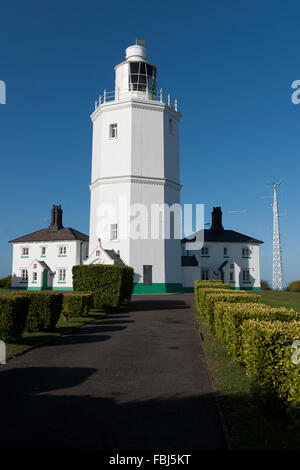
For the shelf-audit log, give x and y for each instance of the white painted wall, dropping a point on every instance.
(234, 250)
(76, 254)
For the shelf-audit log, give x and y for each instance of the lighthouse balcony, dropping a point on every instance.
(134, 93)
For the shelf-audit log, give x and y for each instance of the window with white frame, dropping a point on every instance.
(113, 131)
(225, 251)
(24, 275)
(34, 276)
(62, 275)
(245, 252)
(25, 251)
(43, 251)
(246, 275)
(62, 250)
(231, 276)
(114, 232)
(204, 251)
(204, 274)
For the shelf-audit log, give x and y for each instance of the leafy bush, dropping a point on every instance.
(265, 285)
(203, 287)
(76, 304)
(5, 282)
(113, 282)
(13, 315)
(232, 297)
(44, 311)
(269, 363)
(232, 317)
(294, 286)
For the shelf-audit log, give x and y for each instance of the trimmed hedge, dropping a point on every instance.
(77, 304)
(5, 282)
(44, 311)
(233, 317)
(201, 291)
(113, 283)
(13, 315)
(267, 353)
(232, 297)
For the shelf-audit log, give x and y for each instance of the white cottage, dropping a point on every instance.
(44, 259)
(225, 255)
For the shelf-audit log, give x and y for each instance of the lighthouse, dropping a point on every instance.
(135, 181)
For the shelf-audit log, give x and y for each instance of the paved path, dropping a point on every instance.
(136, 381)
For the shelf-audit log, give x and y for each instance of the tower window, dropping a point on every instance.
(113, 131)
(114, 232)
(171, 126)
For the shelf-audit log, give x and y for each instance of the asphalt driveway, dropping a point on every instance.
(136, 381)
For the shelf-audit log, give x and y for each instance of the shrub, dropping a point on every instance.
(265, 285)
(5, 282)
(13, 315)
(44, 311)
(76, 304)
(294, 286)
(113, 282)
(233, 316)
(201, 290)
(267, 354)
(232, 297)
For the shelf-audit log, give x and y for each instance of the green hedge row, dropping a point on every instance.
(13, 315)
(38, 311)
(231, 297)
(44, 311)
(77, 304)
(202, 289)
(5, 282)
(262, 338)
(110, 284)
(229, 322)
(272, 365)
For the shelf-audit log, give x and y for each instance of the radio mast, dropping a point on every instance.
(277, 261)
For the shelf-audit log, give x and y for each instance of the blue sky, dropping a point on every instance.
(230, 63)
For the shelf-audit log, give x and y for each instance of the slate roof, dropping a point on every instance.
(113, 255)
(225, 236)
(46, 235)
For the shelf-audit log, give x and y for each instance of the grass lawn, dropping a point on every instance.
(281, 299)
(249, 426)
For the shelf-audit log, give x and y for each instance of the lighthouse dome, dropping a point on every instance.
(136, 53)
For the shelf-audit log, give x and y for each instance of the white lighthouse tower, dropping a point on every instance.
(135, 173)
